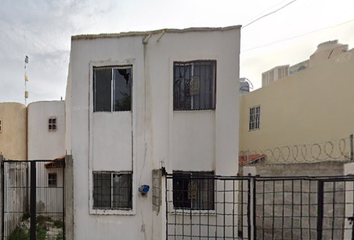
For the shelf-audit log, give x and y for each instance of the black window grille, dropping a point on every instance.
(193, 190)
(112, 190)
(112, 89)
(194, 85)
(255, 118)
(52, 124)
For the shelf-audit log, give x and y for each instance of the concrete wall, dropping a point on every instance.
(13, 144)
(289, 203)
(193, 140)
(314, 105)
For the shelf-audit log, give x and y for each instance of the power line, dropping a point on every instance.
(269, 13)
(304, 34)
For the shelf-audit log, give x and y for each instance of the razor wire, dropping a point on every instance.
(336, 150)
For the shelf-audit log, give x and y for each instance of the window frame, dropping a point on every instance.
(51, 185)
(51, 124)
(112, 208)
(254, 119)
(112, 86)
(0, 125)
(200, 178)
(212, 103)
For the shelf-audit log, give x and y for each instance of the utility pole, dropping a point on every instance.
(26, 79)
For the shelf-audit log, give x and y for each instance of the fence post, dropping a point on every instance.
(33, 200)
(2, 196)
(69, 197)
(320, 209)
(351, 147)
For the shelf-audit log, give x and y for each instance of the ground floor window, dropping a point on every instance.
(193, 190)
(52, 180)
(112, 190)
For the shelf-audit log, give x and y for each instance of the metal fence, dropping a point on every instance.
(33, 188)
(259, 208)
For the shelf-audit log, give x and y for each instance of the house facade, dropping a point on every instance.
(13, 130)
(307, 107)
(142, 101)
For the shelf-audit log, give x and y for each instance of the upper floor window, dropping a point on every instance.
(52, 124)
(0, 125)
(255, 118)
(194, 85)
(112, 89)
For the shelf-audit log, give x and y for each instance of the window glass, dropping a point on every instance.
(122, 89)
(254, 119)
(122, 192)
(102, 89)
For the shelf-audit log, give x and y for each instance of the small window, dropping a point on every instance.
(0, 126)
(112, 89)
(52, 124)
(112, 190)
(52, 180)
(255, 118)
(194, 85)
(193, 190)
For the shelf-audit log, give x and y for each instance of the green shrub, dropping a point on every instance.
(26, 216)
(58, 224)
(42, 219)
(18, 233)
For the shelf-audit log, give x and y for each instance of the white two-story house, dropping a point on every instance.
(140, 101)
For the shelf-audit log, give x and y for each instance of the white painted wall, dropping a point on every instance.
(193, 141)
(43, 144)
(46, 145)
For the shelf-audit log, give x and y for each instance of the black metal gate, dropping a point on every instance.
(33, 199)
(205, 206)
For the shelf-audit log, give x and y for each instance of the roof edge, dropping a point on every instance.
(144, 33)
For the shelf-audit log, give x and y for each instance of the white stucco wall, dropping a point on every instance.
(193, 140)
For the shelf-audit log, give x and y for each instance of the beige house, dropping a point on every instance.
(314, 105)
(13, 130)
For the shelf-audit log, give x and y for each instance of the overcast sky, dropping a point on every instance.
(41, 29)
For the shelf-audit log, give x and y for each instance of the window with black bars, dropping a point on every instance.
(193, 190)
(112, 190)
(255, 117)
(0, 126)
(194, 85)
(52, 124)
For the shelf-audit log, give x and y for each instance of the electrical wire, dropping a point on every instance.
(268, 14)
(301, 35)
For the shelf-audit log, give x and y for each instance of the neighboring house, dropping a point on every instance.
(311, 106)
(13, 130)
(46, 141)
(140, 101)
(324, 51)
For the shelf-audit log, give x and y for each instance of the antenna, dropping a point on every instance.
(26, 79)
